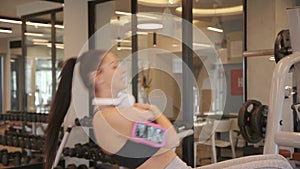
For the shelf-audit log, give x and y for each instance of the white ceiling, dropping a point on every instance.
(8, 9)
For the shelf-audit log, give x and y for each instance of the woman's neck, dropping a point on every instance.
(105, 94)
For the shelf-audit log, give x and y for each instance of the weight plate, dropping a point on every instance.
(259, 120)
(282, 45)
(244, 121)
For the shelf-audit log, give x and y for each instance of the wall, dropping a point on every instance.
(75, 36)
(264, 20)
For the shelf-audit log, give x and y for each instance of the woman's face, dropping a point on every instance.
(111, 75)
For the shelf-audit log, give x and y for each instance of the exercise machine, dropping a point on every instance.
(258, 121)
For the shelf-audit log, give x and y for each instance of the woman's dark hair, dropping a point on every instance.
(89, 62)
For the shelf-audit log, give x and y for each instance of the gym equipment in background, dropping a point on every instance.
(252, 121)
(282, 46)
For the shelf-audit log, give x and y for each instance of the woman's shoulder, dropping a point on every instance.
(125, 113)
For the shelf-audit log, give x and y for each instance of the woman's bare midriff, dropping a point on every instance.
(159, 161)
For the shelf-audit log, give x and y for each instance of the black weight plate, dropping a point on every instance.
(258, 120)
(282, 45)
(244, 121)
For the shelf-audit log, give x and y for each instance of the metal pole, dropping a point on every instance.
(187, 56)
(53, 52)
(134, 44)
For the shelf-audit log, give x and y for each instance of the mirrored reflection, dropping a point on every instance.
(41, 79)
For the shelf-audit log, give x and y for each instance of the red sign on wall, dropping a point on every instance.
(236, 82)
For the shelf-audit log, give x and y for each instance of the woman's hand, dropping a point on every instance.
(149, 107)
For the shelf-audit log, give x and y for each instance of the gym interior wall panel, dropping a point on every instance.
(260, 24)
(75, 26)
(3, 46)
(75, 36)
(264, 20)
(260, 70)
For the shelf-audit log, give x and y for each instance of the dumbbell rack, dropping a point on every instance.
(93, 152)
(20, 141)
(96, 156)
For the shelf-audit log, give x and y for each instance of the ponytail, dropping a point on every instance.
(58, 111)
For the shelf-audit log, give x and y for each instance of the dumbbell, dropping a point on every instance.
(69, 152)
(71, 166)
(35, 159)
(58, 167)
(82, 166)
(5, 158)
(2, 152)
(85, 121)
(9, 140)
(252, 120)
(17, 157)
(79, 151)
(95, 154)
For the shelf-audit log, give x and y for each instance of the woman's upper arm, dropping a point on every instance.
(135, 114)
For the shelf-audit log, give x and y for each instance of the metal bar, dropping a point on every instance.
(23, 101)
(245, 93)
(187, 56)
(53, 52)
(286, 138)
(91, 23)
(134, 43)
(263, 52)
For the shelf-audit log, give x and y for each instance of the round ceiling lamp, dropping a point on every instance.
(160, 3)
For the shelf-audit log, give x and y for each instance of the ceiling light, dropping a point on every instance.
(123, 40)
(40, 40)
(29, 23)
(174, 45)
(235, 10)
(215, 29)
(41, 43)
(34, 34)
(122, 13)
(59, 26)
(57, 45)
(139, 33)
(149, 26)
(43, 25)
(10, 21)
(5, 30)
(201, 45)
(160, 3)
(138, 15)
(124, 48)
(38, 24)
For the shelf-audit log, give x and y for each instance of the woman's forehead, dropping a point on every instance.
(109, 58)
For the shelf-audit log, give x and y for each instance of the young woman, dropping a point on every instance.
(113, 126)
